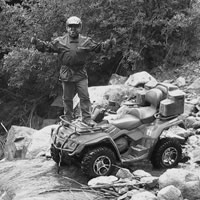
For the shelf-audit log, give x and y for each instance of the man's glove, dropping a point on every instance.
(33, 40)
(109, 43)
(113, 42)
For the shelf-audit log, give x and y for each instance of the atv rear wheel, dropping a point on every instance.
(167, 154)
(98, 162)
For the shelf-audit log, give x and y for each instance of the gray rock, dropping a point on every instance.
(198, 131)
(195, 85)
(187, 182)
(189, 121)
(194, 155)
(24, 142)
(196, 125)
(144, 196)
(141, 173)
(169, 193)
(149, 182)
(129, 194)
(117, 79)
(192, 190)
(180, 81)
(37, 179)
(188, 108)
(17, 142)
(124, 173)
(141, 78)
(40, 142)
(194, 140)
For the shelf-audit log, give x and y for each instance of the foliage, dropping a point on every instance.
(151, 33)
(31, 71)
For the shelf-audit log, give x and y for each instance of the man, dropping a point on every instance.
(72, 50)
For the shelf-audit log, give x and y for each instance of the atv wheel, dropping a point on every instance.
(98, 162)
(167, 154)
(1, 150)
(55, 154)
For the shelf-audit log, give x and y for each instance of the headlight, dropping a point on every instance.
(53, 132)
(70, 145)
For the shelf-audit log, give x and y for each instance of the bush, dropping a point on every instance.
(31, 72)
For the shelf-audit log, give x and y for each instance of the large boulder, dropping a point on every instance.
(24, 142)
(37, 179)
(40, 142)
(187, 182)
(17, 142)
(117, 79)
(141, 78)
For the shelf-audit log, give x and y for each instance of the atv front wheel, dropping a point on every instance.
(55, 154)
(98, 162)
(167, 154)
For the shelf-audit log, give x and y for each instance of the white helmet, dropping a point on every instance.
(74, 20)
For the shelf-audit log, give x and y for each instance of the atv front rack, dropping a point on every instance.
(79, 126)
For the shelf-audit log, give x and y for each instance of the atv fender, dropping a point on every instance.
(103, 139)
(174, 136)
(156, 130)
(156, 134)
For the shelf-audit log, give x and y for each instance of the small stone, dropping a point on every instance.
(141, 173)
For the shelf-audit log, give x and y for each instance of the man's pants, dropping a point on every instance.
(69, 91)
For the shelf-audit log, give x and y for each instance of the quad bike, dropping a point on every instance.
(136, 136)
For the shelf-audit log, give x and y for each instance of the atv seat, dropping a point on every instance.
(138, 116)
(146, 113)
(127, 122)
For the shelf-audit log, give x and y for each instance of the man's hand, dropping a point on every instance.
(34, 40)
(113, 40)
(109, 43)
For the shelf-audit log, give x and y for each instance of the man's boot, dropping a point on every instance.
(66, 120)
(89, 122)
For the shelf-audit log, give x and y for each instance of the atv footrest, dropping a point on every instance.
(131, 158)
(138, 150)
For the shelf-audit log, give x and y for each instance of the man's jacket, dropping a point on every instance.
(72, 54)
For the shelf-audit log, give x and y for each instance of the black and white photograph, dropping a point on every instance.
(99, 100)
